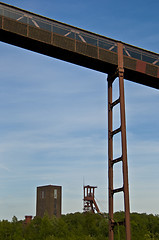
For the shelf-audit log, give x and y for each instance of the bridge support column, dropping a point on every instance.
(123, 158)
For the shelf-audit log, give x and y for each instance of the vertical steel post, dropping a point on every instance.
(123, 140)
(120, 74)
(110, 158)
(124, 156)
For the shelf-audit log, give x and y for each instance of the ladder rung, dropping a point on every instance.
(116, 131)
(119, 159)
(118, 190)
(115, 102)
(118, 223)
(121, 222)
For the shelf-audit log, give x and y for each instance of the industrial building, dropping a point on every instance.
(49, 200)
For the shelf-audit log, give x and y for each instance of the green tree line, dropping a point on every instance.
(79, 226)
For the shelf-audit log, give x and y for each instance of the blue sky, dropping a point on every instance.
(53, 121)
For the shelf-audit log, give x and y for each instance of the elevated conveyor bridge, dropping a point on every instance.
(59, 40)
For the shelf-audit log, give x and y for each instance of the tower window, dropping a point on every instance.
(42, 194)
(55, 193)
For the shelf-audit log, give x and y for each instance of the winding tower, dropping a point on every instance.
(90, 204)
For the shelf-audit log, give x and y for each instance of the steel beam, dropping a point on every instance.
(110, 158)
(120, 74)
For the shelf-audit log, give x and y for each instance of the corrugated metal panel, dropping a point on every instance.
(141, 66)
(151, 70)
(40, 34)
(14, 26)
(108, 56)
(129, 63)
(64, 42)
(86, 49)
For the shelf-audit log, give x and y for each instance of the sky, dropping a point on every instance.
(53, 114)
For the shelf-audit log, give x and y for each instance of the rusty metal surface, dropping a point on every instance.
(124, 142)
(122, 129)
(110, 158)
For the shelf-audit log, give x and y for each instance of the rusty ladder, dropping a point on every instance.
(123, 158)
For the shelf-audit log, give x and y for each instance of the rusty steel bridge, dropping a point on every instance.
(117, 59)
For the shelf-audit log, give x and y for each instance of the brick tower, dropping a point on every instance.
(49, 200)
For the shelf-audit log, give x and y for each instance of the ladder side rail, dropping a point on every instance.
(123, 141)
(110, 158)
